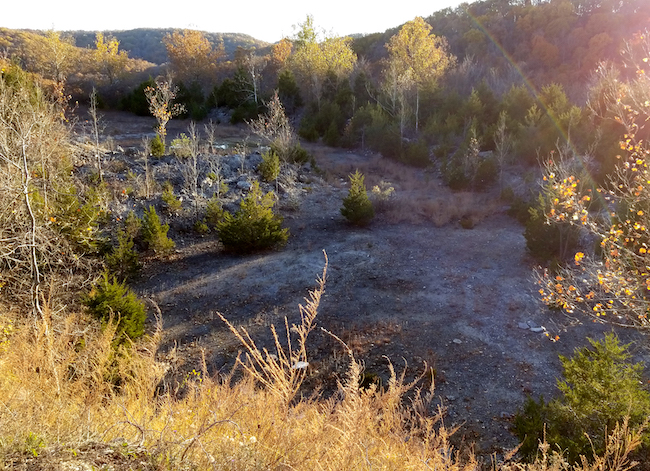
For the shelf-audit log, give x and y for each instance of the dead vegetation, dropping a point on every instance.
(59, 409)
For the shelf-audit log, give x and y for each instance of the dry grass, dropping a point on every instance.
(57, 408)
(419, 196)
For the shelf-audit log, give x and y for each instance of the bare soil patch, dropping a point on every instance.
(413, 287)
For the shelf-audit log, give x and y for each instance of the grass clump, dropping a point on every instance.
(357, 207)
(254, 226)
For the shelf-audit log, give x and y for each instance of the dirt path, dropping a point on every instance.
(454, 298)
(404, 289)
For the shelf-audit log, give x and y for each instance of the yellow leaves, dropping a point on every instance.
(639, 213)
(578, 257)
(643, 251)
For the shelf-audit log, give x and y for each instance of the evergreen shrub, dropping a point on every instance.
(111, 300)
(416, 154)
(157, 147)
(600, 388)
(546, 241)
(254, 226)
(154, 233)
(270, 166)
(123, 260)
(357, 207)
(172, 204)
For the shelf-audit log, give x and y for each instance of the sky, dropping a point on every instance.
(266, 20)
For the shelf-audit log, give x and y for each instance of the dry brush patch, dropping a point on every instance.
(54, 391)
(417, 197)
(56, 396)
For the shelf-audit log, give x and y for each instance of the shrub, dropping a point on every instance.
(154, 234)
(136, 101)
(123, 261)
(193, 101)
(270, 166)
(172, 203)
(416, 154)
(254, 227)
(299, 155)
(157, 147)
(112, 300)
(288, 91)
(181, 146)
(600, 389)
(201, 227)
(132, 225)
(547, 241)
(382, 195)
(245, 112)
(214, 211)
(357, 207)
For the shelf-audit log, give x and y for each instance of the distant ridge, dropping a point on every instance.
(147, 44)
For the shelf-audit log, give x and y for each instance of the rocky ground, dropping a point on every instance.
(411, 288)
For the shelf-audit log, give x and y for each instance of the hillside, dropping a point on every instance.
(147, 44)
(472, 188)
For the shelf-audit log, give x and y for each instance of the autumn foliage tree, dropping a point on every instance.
(313, 60)
(418, 58)
(614, 283)
(109, 59)
(54, 55)
(191, 55)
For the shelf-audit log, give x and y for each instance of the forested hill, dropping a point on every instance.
(147, 44)
(559, 41)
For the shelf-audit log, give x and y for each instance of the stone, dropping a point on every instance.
(244, 185)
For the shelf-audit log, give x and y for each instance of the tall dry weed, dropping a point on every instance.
(54, 393)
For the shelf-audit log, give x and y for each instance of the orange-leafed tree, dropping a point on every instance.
(612, 284)
(191, 55)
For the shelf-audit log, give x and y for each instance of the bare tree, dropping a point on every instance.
(274, 128)
(190, 166)
(95, 122)
(161, 104)
(502, 144)
(146, 152)
(40, 236)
